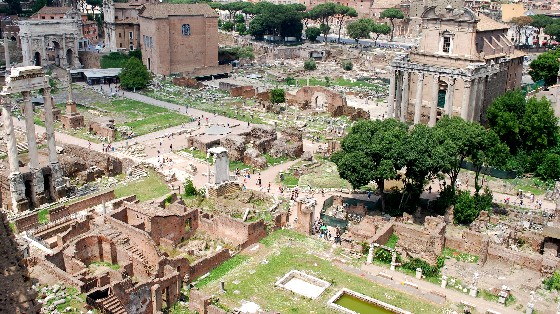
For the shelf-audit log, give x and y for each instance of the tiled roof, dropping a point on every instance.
(488, 24)
(54, 10)
(164, 10)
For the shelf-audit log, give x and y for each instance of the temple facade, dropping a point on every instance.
(463, 61)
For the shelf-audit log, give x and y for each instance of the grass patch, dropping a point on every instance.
(459, 256)
(392, 242)
(221, 270)
(340, 82)
(271, 161)
(255, 278)
(106, 264)
(145, 189)
(282, 233)
(288, 179)
(324, 176)
(13, 227)
(43, 216)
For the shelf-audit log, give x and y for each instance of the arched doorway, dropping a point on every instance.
(70, 57)
(56, 47)
(37, 59)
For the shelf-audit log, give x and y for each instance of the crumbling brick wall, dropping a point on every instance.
(76, 158)
(187, 82)
(425, 242)
(243, 91)
(67, 210)
(235, 146)
(470, 242)
(225, 188)
(232, 230)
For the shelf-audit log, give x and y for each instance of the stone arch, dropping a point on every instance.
(37, 58)
(70, 57)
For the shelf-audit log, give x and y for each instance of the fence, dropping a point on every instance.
(493, 172)
(530, 88)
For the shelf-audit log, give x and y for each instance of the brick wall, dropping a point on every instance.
(419, 243)
(90, 59)
(232, 230)
(204, 265)
(383, 234)
(27, 222)
(223, 189)
(67, 210)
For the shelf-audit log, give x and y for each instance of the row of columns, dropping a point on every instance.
(17, 186)
(399, 86)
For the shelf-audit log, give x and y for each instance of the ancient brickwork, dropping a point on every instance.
(76, 159)
(424, 242)
(61, 212)
(90, 59)
(225, 188)
(204, 265)
(232, 230)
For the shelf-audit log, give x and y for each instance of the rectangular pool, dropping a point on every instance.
(351, 302)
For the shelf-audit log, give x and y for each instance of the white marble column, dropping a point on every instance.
(466, 100)
(26, 43)
(7, 52)
(391, 100)
(13, 159)
(418, 101)
(433, 107)
(449, 97)
(49, 124)
(404, 97)
(399, 94)
(38, 180)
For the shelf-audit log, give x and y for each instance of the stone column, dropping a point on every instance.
(26, 51)
(475, 86)
(433, 107)
(38, 181)
(63, 54)
(43, 52)
(7, 52)
(49, 124)
(404, 97)
(398, 94)
(449, 97)
(479, 98)
(418, 103)
(391, 101)
(466, 100)
(10, 134)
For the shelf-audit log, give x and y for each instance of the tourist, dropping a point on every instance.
(89, 144)
(171, 147)
(369, 194)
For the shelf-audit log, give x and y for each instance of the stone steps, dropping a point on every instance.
(112, 305)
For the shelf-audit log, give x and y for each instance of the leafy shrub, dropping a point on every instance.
(552, 282)
(190, 189)
(427, 269)
(347, 65)
(310, 65)
(290, 80)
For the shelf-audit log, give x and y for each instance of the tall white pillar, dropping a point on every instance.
(404, 97)
(433, 107)
(49, 124)
(418, 101)
(399, 93)
(7, 52)
(466, 100)
(449, 97)
(391, 100)
(38, 188)
(10, 134)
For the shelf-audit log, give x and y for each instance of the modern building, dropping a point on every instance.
(463, 61)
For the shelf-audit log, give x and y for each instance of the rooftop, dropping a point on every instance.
(164, 10)
(488, 24)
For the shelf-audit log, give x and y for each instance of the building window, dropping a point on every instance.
(130, 35)
(120, 35)
(42, 17)
(186, 29)
(446, 44)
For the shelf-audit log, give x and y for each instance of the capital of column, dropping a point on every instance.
(468, 83)
(421, 76)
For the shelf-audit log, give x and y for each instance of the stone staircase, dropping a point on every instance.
(124, 240)
(112, 305)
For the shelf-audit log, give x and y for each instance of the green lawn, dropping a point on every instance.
(460, 256)
(43, 216)
(254, 279)
(339, 82)
(145, 189)
(324, 176)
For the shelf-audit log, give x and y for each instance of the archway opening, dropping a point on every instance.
(70, 57)
(37, 59)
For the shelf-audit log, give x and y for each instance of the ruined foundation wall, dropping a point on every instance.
(235, 231)
(67, 210)
(204, 265)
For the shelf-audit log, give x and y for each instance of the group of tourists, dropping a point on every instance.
(321, 229)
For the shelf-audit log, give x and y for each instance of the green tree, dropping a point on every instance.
(370, 153)
(342, 12)
(239, 18)
(380, 29)
(539, 126)
(234, 7)
(465, 210)
(540, 22)
(549, 169)
(290, 80)
(392, 14)
(190, 189)
(504, 117)
(14, 7)
(458, 140)
(359, 29)
(553, 30)
(134, 75)
(37, 5)
(323, 13)
(228, 26)
(545, 67)
(136, 53)
(276, 20)
(520, 25)
(277, 95)
(310, 65)
(312, 33)
(241, 28)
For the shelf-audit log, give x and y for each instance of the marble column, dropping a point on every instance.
(418, 103)
(10, 134)
(7, 52)
(404, 97)
(466, 100)
(49, 124)
(433, 107)
(398, 94)
(38, 181)
(475, 86)
(479, 99)
(391, 100)
(449, 97)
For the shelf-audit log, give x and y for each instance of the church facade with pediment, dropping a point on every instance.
(463, 61)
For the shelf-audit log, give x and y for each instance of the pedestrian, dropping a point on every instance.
(369, 194)
(103, 147)
(89, 144)
(171, 147)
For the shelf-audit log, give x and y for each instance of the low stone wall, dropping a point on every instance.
(526, 260)
(232, 230)
(27, 222)
(60, 275)
(223, 189)
(67, 210)
(383, 234)
(471, 242)
(204, 265)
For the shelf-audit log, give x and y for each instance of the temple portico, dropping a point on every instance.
(38, 185)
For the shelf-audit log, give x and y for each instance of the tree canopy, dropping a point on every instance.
(545, 67)
(520, 24)
(392, 14)
(323, 13)
(134, 75)
(359, 29)
(342, 12)
(277, 20)
(277, 96)
(312, 33)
